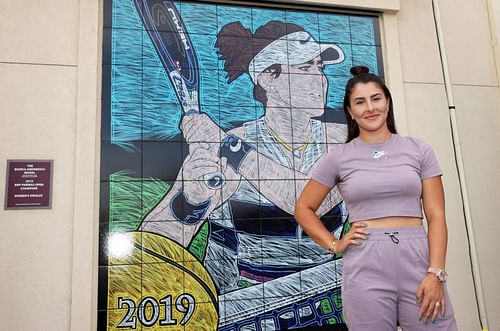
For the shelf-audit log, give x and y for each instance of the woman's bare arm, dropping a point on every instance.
(305, 213)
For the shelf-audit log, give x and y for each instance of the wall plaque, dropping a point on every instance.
(28, 184)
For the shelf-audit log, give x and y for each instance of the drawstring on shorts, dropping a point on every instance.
(393, 237)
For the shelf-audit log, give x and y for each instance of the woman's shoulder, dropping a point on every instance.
(414, 142)
(339, 149)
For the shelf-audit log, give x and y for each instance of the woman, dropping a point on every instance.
(393, 272)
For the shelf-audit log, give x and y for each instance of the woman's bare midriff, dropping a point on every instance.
(393, 222)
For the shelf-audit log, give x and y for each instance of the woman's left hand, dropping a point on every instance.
(430, 296)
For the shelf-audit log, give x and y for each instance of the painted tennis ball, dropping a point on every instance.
(156, 284)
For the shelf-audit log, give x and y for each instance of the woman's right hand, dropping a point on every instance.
(356, 234)
(201, 161)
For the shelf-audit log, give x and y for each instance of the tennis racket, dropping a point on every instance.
(167, 32)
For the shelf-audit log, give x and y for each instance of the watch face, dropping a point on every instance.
(442, 275)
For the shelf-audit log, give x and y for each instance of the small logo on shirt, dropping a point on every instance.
(378, 154)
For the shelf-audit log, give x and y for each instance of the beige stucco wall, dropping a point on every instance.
(49, 92)
(49, 99)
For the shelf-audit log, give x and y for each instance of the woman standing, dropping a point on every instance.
(393, 271)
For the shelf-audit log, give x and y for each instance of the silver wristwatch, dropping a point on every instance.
(440, 274)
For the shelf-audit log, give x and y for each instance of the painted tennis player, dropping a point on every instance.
(254, 238)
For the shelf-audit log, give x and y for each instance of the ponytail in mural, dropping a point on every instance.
(238, 46)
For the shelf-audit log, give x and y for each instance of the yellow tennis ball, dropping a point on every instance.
(157, 285)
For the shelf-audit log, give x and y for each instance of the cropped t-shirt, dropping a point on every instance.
(379, 180)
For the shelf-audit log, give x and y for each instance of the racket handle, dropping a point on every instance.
(214, 180)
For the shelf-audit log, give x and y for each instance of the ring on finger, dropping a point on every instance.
(437, 304)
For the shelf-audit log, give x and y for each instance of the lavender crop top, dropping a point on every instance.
(379, 180)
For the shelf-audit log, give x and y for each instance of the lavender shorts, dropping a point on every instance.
(380, 281)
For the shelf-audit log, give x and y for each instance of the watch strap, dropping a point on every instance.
(439, 273)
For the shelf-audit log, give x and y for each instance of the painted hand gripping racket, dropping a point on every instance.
(176, 52)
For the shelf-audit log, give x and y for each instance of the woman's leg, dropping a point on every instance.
(414, 262)
(369, 287)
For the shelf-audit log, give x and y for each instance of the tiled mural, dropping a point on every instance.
(213, 116)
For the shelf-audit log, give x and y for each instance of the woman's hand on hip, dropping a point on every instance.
(355, 236)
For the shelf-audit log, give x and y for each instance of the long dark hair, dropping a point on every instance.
(362, 75)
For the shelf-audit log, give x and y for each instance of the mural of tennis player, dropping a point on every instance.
(254, 238)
